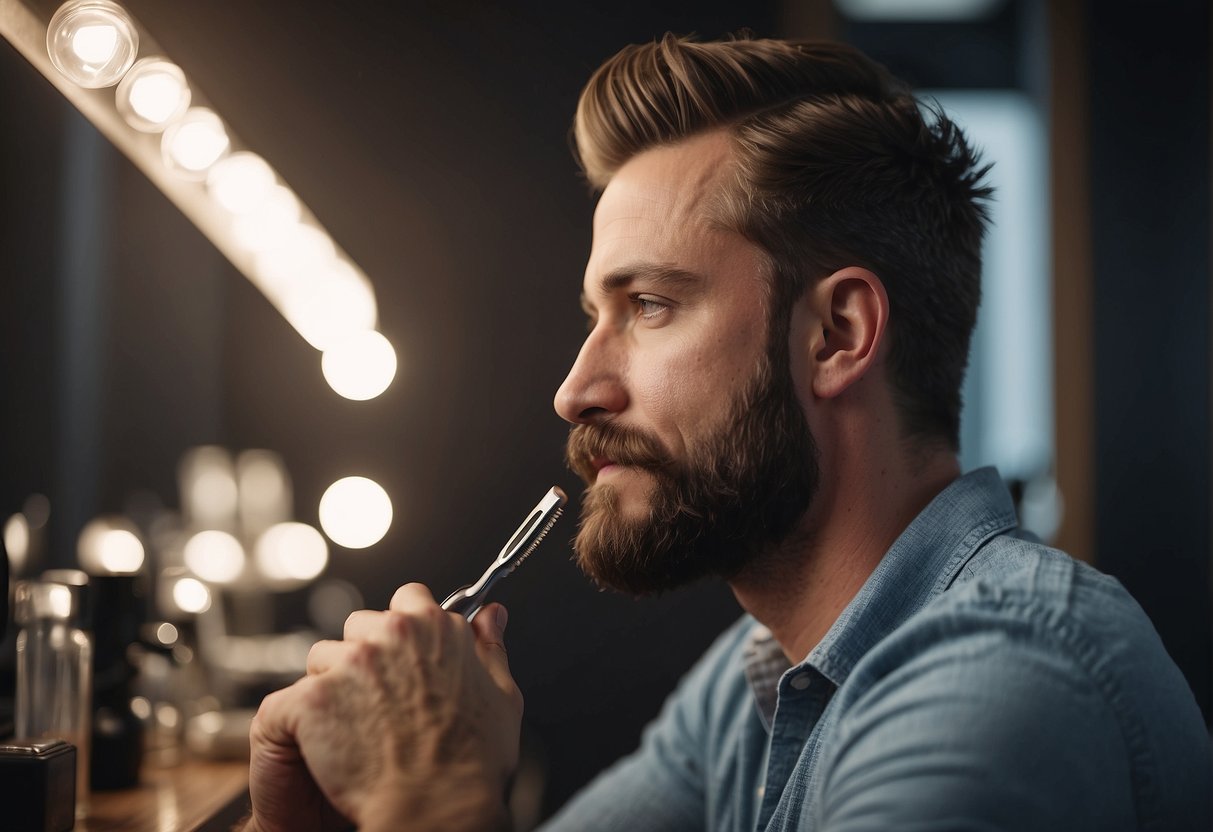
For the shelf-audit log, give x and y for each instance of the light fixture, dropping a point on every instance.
(152, 94)
(250, 215)
(92, 42)
(240, 182)
(355, 512)
(194, 142)
(360, 367)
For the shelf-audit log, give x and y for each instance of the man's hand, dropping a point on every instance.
(413, 716)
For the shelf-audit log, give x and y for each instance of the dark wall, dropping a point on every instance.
(1150, 196)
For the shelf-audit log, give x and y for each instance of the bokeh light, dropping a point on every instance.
(214, 556)
(191, 595)
(270, 223)
(300, 257)
(264, 488)
(355, 512)
(207, 481)
(291, 552)
(360, 367)
(194, 142)
(16, 542)
(330, 603)
(110, 546)
(240, 183)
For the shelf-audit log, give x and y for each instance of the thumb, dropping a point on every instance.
(489, 628)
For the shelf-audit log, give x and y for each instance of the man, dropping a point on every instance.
(781, 289)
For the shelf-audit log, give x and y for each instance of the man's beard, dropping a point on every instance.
(740, 493)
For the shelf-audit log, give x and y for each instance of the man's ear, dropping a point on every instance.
(852, 313)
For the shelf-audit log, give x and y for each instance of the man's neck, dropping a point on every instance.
(800, 590)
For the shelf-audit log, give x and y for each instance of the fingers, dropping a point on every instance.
(489, 628)
(363, 625)
(325, 655)
(375, 625)
(412, 597)
(413, 616)
(273, 728)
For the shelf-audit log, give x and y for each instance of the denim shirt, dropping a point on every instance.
(978, 681)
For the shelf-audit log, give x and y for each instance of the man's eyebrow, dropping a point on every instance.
(656, 273)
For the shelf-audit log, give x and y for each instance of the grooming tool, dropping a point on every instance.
(468, 600)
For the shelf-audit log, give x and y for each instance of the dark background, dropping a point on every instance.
(431, 141)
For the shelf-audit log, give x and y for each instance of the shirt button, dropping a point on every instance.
(800, 681)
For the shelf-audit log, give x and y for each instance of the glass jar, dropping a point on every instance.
(54, 666)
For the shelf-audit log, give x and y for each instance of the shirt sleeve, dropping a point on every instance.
(661, 786)
(991, 728)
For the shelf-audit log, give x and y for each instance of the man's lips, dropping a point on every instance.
(600, 462)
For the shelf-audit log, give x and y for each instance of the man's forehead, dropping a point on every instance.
(681, 181)
(661, 206)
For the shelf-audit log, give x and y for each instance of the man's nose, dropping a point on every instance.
(594, 388)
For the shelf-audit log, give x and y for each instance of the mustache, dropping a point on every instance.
(622, 446)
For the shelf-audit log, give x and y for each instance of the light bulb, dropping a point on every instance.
(299, 258)
(355, 512)
(92, 42)
(152, 94)
(333, 308)
(360, 367)
(240, 182)
(270, 224)
(194, 142)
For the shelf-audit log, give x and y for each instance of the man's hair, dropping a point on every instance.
(836, 164)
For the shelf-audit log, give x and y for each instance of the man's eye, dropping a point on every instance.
(648, 307)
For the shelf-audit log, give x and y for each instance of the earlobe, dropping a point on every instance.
(853, 312)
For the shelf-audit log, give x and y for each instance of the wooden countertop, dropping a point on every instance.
(177, 799)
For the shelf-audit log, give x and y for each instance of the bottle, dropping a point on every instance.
(54, 666)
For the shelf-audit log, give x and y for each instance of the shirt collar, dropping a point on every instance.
(923, 562)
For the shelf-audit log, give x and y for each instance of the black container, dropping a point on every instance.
(117, 752)
(37, 785)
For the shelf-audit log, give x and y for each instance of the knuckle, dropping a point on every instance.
(363, 654)
(398, 624)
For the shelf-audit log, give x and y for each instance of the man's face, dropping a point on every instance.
(687, 430)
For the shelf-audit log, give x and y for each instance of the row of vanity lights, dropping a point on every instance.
(324, 296)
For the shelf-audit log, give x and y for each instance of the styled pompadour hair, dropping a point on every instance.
(836, 164)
